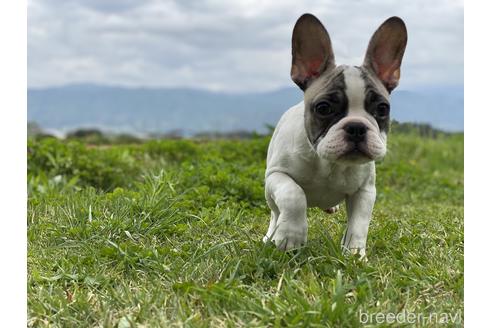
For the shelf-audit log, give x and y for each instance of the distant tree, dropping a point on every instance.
(173, 134)
(125, 138)
(236, 134)
(33, 129)
(270, 128)
(84, 133)
(421, 129)
(89, 136)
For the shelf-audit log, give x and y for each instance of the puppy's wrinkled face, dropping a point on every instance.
(347, 115)
(347, 107)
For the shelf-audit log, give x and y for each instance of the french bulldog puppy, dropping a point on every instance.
(323, 150)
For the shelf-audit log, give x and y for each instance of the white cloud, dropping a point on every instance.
(225, 45)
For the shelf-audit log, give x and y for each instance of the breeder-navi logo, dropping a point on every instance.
(410, 317)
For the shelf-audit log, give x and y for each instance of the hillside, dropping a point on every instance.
(189, 111)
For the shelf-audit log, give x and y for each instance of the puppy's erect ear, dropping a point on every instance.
(385, 51)
(311, 51)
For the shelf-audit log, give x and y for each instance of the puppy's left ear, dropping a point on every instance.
(385, 51)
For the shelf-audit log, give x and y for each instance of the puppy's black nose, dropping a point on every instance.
(355, 131)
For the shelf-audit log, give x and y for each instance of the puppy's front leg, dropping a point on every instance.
(359, 212)
(286, 199)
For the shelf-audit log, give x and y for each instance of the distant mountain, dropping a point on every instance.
(155, 110)
(443, 108)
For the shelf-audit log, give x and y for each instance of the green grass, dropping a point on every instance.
(167, 233)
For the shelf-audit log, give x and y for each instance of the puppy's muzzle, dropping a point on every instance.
(355, 132)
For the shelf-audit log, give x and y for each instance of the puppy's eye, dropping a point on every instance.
(382, 111)
(324, 109)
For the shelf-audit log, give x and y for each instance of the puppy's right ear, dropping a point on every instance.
(312, 53)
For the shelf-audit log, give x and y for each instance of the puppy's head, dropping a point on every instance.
(347, 108)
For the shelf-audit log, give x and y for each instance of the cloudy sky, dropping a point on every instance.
(231, 46)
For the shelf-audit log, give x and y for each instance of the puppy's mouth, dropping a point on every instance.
(356, 152)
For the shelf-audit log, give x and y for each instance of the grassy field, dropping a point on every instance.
(168, 233)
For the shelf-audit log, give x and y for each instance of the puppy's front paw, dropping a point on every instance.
(288, 237)
(354, 246)
(361, 252)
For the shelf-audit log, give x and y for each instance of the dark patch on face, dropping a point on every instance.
(375, 103)
(326, 110)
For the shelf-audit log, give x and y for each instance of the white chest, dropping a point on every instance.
(327, 186)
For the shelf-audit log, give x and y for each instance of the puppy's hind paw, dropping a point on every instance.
(333, 209)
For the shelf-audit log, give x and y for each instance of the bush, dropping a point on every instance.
(93, 167)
